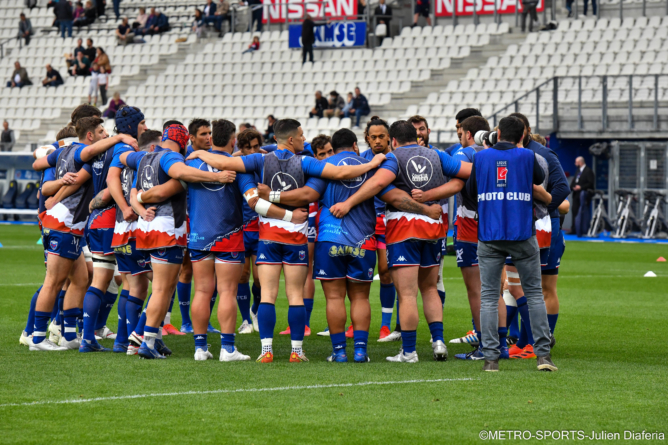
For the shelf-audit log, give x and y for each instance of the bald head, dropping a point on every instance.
(579, 162)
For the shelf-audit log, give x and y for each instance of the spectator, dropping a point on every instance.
(117, 8)
(142, 17)
(89, 16)
(19, 77)
(335, 105)
(114, 105)
(53, 78)
(361, 7)
(102, 82)
(7, 138)
(102, 59)
(198, 24)
(269, 134)
(124, 34)
(210, 16)
(360, 107)
(320, 105)
(256, 13)
(529, 8)
(81, 66)
(90, 52)
(64, 16)
(349, 104)
(308, 37)
(254, 46)
(157, 23)
(92, 85)
(223, 11)
(246, 126)
(583, 187)
(422, 8)
(586, 5)
(78, 10)
(70, 59)
(383, 14)
(25, 29)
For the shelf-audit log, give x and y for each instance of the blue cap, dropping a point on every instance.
(128, 119)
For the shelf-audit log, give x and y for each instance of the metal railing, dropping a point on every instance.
(554, 84)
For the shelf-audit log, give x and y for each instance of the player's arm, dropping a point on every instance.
(235, 164)
(541, 194)
(295, 198)
(369, 189)
(564, 207)
(116, 189)
(50, 188)
(103, 145)
(265, 208)
(339, 172)
(557, 183)
(43, 152)
(400, 200)
(464, 170)
(450, 188)
(182, 172)
(146, 214)
(100, 201)
(160, 193)
(82, 177)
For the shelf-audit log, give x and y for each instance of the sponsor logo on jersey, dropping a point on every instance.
(282, 182)
(501, 173)
(460, 255)
(420, 171)
(98, 163)
(354, 182)
(508, 196)
(148, 177)
(211, 186)
(346, 251)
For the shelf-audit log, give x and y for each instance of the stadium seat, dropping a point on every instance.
(9, 200)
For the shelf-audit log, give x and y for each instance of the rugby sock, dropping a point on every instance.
(227, 342)
(69, 330)
(61, 300)
(397, 326)
(436, 329)
(243, 301)
(79, 320)
(308, 305)
(297, 322)
(552, 321)
(387, 296)
(213, 300)
(523, 309)
(361, 339)
(522, 340)
(122, 330)
(441, 295)
(408, 340)
(108, 301)
(511, 314)
(183, 292)
(201, 342)
(132, 312)
(266, 318)
(168, 315)
(150, 334)
(257, 297)
(39, 330)
(503, 333)
(92, 303)
(54, 311)
(338, 341)
(477, 334)
(141, 324)
(30, 324)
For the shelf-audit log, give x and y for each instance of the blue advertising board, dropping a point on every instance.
(332, 35)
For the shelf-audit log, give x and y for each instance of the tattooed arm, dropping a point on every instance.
(101, 200)
(402, 201)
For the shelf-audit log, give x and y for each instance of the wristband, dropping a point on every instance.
(139, 198)
(288, 216)
(275, 197)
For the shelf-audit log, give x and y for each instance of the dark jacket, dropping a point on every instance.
(90, 53)
(586, 180)
(63, 10)
(557, 184)
(379, 13)
(25, 27)
(308, 34)
(321, 104)
(360, 103)
(162, 21)
(25, 80)
(55, 73)
(212, 9)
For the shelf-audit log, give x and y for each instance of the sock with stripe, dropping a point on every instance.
(227, 342)
(436, 329)
(58, 306)
(243, 301)
(108, 302)
(361, 339)
(297, 322)
(257, 297)
(525, 335)
(132, 312)
(408, 341)
(183, 293)
(387, 296)
(39, 329)
(61, 301)
(122, 329)
(30, 324)
(266, 318)
(503, 333)
(338, 341)
(150, 334)
(441, 295)
(308, 305)
(552, 321)
(201, 342)
(69, 329)
(511, 314)
(92, 304)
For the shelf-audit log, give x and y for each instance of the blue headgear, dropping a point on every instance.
(128, 119)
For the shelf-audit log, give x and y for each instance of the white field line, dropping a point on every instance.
(229, 391)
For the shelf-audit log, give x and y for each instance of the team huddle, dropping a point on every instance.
(208, 205)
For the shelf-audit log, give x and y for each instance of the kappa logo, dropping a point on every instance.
(420, 171)
(53, 244)
(322, 272)
(501, 173)
(401, 258)
(282, 182)
(199, 337)
(262, 257)
(302, 254)
(86, 315)
(354, 182)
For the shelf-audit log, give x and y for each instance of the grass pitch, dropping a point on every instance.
(611, 340)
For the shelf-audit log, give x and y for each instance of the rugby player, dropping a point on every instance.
(414, 252)
(283, 244)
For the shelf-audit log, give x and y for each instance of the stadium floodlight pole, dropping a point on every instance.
(604, 102)
(656, 101)
(576, 9)
(517, 6)
(496, 12)
(545, 12)
(475, 13)
(630, 102)
(454, 12)
(579, 102)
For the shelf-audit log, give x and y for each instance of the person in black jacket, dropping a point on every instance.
(256, 13)
(321, 105)
(383, 14)
(308, 37)
(65, 16)
(583, 186)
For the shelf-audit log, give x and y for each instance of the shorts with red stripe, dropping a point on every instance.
(220, 257)
(269, 252)
(99, 241)
(167, 255)
(414, 253)
(338, 262)
(467, 254)
(63, 244)
(132, 261)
